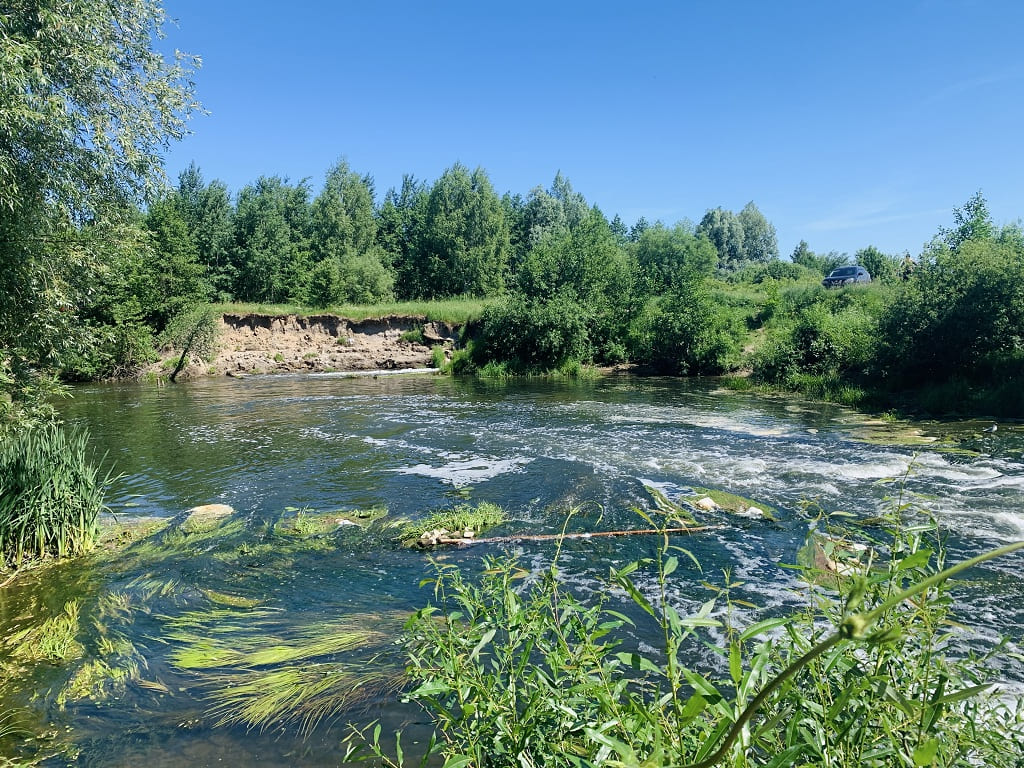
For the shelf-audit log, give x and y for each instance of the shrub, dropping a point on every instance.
(50, 494)
(534, 335)
(687, 332)
(515, 670)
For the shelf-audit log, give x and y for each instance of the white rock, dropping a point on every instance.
(707, 504)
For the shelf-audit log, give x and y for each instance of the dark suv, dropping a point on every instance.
(846, 276)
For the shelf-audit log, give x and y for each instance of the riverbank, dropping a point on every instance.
(251, 343)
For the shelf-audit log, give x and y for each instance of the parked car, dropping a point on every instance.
(846, 276)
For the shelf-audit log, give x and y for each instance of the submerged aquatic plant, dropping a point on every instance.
(51, 493)
(54, 640)
(258, 674)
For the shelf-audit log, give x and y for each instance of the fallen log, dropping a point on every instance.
(590, 535)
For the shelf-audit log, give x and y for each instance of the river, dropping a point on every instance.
(271, 445)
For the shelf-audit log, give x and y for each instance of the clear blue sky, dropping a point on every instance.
(848, 123)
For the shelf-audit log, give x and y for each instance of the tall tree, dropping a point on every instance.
(401, 220)
(667, 257)
(349, 262)
(464, 244)
(208, 212)
(88, 106)
(342, 215)
(272, 223)
(972, 221)
(725, 232)
(759, 239)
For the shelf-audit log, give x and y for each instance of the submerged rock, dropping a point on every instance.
(205, 517)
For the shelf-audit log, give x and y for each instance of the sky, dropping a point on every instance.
(848, 123)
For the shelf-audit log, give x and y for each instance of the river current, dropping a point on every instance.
(270, 445)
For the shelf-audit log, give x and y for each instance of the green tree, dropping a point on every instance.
(88, 106)
(174, 278)
(342, 215)
(271, 251)
(464, 243)
(725, 232)
(400, 223)
(961, 315)
(209, 214)
(759, 240)
(879, 265)
(344, 237)
(820, 264)
(972, 221)
(666, 256)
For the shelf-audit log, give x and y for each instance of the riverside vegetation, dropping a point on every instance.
(101, 262)
(514, 669)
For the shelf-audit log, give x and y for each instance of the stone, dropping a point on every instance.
(205, 517)
(707, 504)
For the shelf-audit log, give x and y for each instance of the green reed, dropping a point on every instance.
(51, 492)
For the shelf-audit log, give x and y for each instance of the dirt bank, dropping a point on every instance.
(252, 343)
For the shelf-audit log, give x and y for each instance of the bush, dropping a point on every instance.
(50, 494)
(957, 317)
(117, 351)
(515, 670)
(533, 335)
(688, 333)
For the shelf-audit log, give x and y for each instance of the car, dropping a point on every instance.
(846, 276)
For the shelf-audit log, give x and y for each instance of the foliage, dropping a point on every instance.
(194, 332)
(89, 104)
(880, 266)
(271, 251)
(51, 493)
(961, 314)
(534, 335)
(819, 263)
(686, 332)
(666, 257)
(821, 332)
(463, 245)
(516, 670)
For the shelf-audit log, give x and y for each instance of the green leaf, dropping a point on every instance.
(763, 626)
(487, 637)
(926, 752)
(671, 564)
(431, 688)
(916, 560)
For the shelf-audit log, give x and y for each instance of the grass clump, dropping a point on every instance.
(457, 519)
(456, 310)
(51, 493)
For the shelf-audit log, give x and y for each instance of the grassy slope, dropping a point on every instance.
(458, 310)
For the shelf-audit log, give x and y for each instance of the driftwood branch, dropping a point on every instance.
(591, 535)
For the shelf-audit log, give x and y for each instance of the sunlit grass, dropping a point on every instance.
(456, 310)
(260, 675)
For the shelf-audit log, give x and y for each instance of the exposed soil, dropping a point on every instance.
(253, 343)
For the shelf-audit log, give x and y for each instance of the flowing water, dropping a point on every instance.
(411, 444)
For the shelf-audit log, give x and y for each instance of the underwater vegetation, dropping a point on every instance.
(183, 609)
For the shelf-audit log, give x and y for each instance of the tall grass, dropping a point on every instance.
(51, 493)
